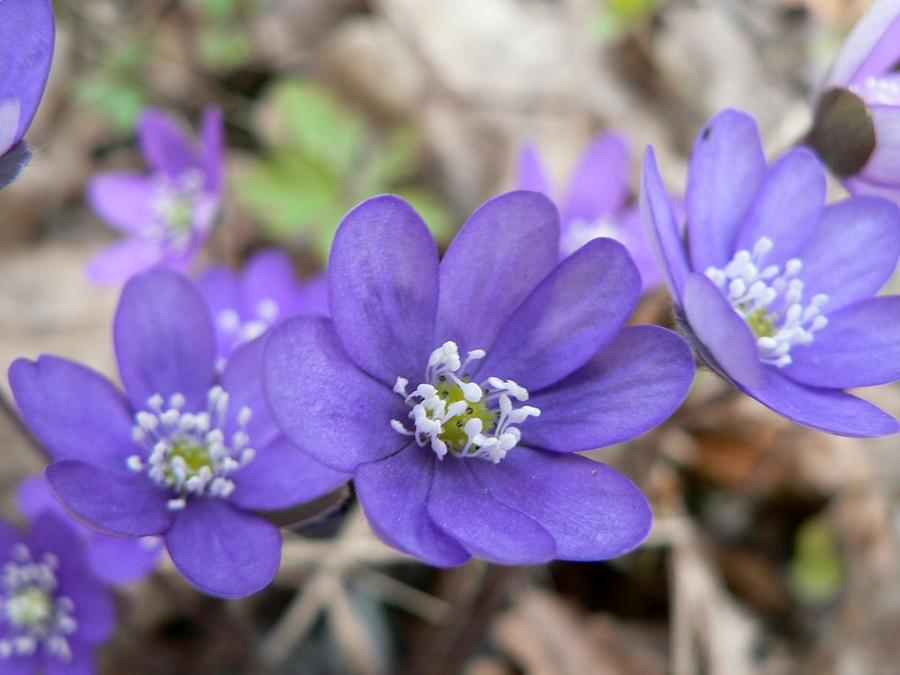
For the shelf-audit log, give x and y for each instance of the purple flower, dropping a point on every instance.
(774, 287)
(113, 560)
(183, 453)
(27, 33)
(53, 612)
(857, 127)
(596, 203)
(246, 306)
(167, 214)
(457, 393)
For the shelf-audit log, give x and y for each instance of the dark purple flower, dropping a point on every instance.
(167, 214)
(244, 306)
(596, 201)
(27, 34)
(774, 287)
(53, 612)
(457, 393)
(183, 453)
(113, 560)
(857, 128)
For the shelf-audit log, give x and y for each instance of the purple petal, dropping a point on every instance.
(884, 165)
(123, 200)
(95, 611)
(854, 252)
(212, 138)
(313, 297)
(243, 380)
(75, 412)
(660, 227)
(531, 173)
(634, 384)
(54, 534)
(463, 507)
(394, 494)
(505, 248)
(871, 47)
(35, 497)
(270, 276)
(599, 184)
(825, 409)
(9, 537)
(13, 162)
(166, 144)
(130, 505)
(323, 402)
(220, 287)
(27, 35)
(568, 318)
(592, 511)
(121, 261)
(788, 207)
(634, 239)
(727, 169)
(722, 331)
(280, 476)
(164, 339)
(28, 665)
(382, 278)
(83, 662)
(860, 347)
(119, 561)
(222, 551)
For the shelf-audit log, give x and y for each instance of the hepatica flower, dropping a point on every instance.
(857, 126)
(53, 612)
(776, 289)
(183, 453)
(458, 392)
(113, 560)
(27, 32)
(165, 215)
(246, 305)
(596, 201)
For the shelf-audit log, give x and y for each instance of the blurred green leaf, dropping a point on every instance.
(221, 48)
(817, 569)
(440, 220)
(393, 161)
(114, 87)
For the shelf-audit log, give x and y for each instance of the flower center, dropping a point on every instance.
(187, 452)
(451, 413)
(238, 332)
(770, 298)
(173, 204)
(32, 608)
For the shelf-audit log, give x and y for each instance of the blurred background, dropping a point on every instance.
(776, 547)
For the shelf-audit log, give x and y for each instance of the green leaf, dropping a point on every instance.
(440, 221)
(394, 161)
(817, 568)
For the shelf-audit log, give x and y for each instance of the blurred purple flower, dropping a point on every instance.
(27, 34)
(167, 214)
(113, 560)
(596, 202)
(54, 612)
(246, 305)
(775, 288)
(457, 451)
(184, 453)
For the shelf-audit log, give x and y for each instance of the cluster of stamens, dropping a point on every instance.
(36, 615)
(187, 452)
(173, 205)
(450, 413)
(770, 299)
(238, 332)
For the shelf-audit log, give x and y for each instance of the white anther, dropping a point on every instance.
(135, 463)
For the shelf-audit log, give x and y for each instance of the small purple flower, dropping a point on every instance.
(775, 288)
(458, 392)
(27, 34)
(168, 213)
(53, 612)
(113, 560)
(596, 203)
(245, 306)
(184, 453)
(857, 127)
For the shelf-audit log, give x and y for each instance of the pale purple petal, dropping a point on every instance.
(883, 166)
(463, 507)
(95, 611)
(592, 511)
(635, 241)
(221, 288)
(383, 282)
(130, 505)
(724, 333)
(313, 296)
(727, 169)
(28, 665)
(599, 183)
(165, 342)
(75, 412)
(166, 143)
(212, 138)
(871, 48)
(505, 248)
(394, 494)
(634, 384)
(118, 561)
(323, 402)
(243, 380)
(222, 551)
(568, 318)
(119, 262)
(660, 227)
(269, 276)
(531, 174)
(123, 200)
(83, 662)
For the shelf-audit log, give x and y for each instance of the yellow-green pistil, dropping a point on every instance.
(454, 434)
